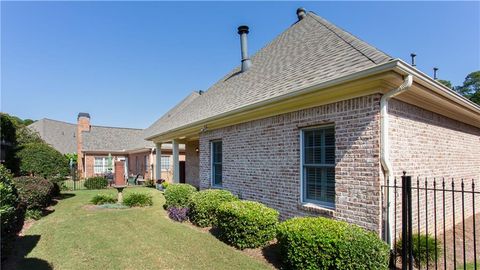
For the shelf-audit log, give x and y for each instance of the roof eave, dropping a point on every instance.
(396, 65)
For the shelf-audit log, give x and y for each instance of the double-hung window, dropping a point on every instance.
(318, 166)
(165, 163)
(100, 165)
(216, 153)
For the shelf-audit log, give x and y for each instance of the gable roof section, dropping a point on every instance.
(60, 135)
(107, 139)
(310, 52)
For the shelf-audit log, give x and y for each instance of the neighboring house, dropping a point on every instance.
(93, 144)
(315, 123)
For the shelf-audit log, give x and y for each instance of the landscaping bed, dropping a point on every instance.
(73, 237)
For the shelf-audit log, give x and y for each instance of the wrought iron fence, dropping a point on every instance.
(437, 217)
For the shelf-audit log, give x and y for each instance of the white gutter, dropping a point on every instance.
(385, 147)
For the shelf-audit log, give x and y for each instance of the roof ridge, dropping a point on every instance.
(116, 127)
(59, 121)
(334, 29)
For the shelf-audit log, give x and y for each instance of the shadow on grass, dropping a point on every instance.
(23, 246)
(64, 196)
(271, 253)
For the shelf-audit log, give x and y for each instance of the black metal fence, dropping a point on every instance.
(437, 217)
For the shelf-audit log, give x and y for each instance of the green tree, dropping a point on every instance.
(8, 138)
(40, 159)
(471, 87)
(446, 83)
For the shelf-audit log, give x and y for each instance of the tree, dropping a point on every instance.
(446, 83)
(40, 159)
(471, 87)
(8, 138)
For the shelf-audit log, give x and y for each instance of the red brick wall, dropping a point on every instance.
(132, 168)
(83, 124)
(261, 160)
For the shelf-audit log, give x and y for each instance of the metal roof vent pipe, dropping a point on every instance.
(246, 63)
(301, 13)
(412, 55)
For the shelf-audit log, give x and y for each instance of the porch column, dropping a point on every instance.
(158, 161)
(176, 165)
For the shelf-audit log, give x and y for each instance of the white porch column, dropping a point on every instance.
(158, 161)
(176, 165)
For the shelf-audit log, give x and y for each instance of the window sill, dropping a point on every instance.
(315, 208)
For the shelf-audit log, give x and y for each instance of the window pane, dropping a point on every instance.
(165, 163)
(217, 163)
(319, 165)
(320, 184)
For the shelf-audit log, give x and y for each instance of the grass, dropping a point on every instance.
(76, 237)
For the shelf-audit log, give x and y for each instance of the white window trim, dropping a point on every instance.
(304, 201)
(212, 184)
(169, 163)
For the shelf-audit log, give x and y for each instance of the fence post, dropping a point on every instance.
(407, 254)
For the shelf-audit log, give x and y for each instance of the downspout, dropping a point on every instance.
(385, 147)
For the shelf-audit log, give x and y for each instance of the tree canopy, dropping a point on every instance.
(471, 87)
(40, 159)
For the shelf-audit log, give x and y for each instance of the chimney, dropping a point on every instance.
(246, 63)
(301, 13)
(435, 70)
(83, 124)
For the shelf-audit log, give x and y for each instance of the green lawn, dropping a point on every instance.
(73, 237)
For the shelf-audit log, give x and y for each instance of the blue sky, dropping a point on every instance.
(127, 63)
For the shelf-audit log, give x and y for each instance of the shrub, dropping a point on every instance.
(246, 224)
(322, 243)
(138, 199)
(178, 195)
(419, 245)
(165, 184)
(35, 192)
(33, 214)
(149, 183)
(11, 212)
(40, 159)
(204, 205)
(103, 199)
(96, 183)
(179, 214)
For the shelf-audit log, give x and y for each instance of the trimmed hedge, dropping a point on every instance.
(96, 183)
(246, 224)
(204, 205)
(178, 195)
(11, 211)
(419, 246)
(322, 243)
(34, 192)
(103, 199)
(138, 199)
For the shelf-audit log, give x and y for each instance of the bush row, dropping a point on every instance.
(96, 182)
(305, 243)
(11, 211)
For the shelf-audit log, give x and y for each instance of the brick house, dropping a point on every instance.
(316, 122)
(93, 144)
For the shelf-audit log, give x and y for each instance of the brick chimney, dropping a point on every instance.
(83, 124)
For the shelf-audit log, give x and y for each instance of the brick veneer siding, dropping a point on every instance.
(261, 160)
(83, 124)
(142, 167)
(192, 163)
(429, 145)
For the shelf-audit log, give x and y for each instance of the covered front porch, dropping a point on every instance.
(185, 168)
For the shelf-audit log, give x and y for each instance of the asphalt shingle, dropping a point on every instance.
(311, 51)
